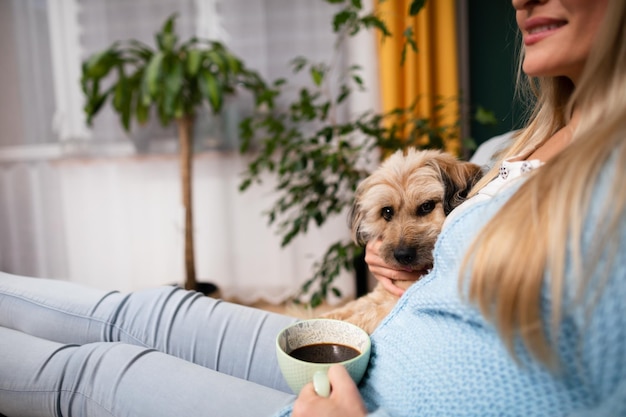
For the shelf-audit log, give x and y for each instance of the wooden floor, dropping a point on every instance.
(291, 309)
(287, 308)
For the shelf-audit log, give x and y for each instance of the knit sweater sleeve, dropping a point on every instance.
(602, 362)
(600, 319)
(594, 313)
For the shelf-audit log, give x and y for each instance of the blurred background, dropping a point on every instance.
(100, 206)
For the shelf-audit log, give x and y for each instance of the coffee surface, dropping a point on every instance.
(324, 353)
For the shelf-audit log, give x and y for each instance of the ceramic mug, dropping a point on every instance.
(307, 348)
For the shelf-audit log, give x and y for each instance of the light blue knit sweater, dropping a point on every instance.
(435, 355)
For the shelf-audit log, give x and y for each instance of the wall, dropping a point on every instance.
(492, 65)
(10, 125)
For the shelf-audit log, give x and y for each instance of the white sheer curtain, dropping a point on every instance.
(97, 211)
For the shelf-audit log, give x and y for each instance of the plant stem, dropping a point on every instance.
(185, 126)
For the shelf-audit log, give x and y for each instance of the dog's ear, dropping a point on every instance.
(458, 178)
(356, 215)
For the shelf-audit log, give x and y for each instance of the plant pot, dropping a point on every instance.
(209, 289)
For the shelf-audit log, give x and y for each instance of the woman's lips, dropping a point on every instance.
(537, 29)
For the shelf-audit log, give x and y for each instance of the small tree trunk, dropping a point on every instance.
(185, 126)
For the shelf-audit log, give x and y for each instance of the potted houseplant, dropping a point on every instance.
(172, 80)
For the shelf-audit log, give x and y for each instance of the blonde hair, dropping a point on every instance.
(530, 237)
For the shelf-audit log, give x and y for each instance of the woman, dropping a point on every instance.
(522, 314)
(578, 131)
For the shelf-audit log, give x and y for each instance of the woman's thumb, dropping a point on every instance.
(340, 379)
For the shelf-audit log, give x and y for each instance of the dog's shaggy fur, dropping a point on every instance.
(404, 202)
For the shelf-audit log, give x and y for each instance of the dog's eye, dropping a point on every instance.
(426, 208)
(387, 213)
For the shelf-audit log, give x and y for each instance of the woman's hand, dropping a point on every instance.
(344, 399)
(396, 281)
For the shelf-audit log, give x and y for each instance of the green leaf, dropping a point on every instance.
(93, 106)
(469, 144)
(166, 39)
(153, 71)
(416, 6)
(316, 299)
(234, 65)
(172, 91)
(345, 92)
(140, 50)
(217, 59)
(164, 118)
(126, 110)
(485, 117)
(317, 75)
(324, 110)
(174, 78)
(99, 65)
(194, 59)
(342, 18)
(409, 40)
(371, 21)
(168, 26)
(211, 90)
(245, 184)
(122, 98)
(359, 81)
(121, 89)
(179, 108)
(91, 87)
(298, 63)
(141, 112)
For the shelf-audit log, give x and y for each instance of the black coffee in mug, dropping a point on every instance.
(324, 353)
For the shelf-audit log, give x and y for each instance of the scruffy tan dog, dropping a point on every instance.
(404, 202)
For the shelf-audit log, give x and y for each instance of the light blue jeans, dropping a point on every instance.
(68, 350)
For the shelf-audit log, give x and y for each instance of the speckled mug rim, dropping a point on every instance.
(362, 350)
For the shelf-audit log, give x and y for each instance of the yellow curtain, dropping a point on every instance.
(431, 74)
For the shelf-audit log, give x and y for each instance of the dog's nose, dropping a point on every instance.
(405, 255)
